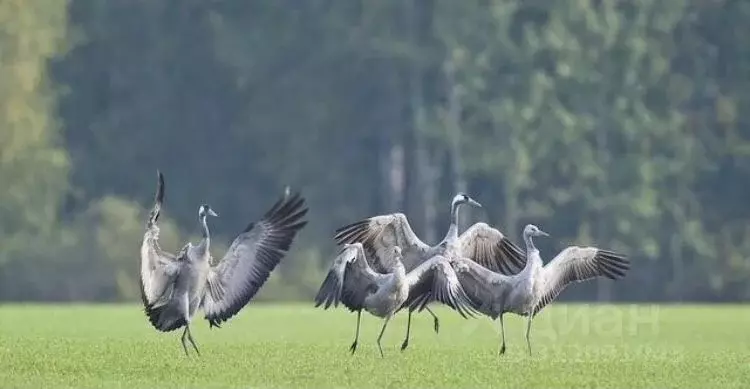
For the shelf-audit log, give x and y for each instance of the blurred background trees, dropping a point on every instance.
(612, 123)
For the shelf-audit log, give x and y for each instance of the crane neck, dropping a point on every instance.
(529, 242)
(206, 241)
(532, 253)
(453, 228)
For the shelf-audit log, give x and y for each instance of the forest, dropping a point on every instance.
(610, 123)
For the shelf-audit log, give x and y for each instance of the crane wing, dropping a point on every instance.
(349, 280)
(159, 268)
(435, 280)
(251, 258)
(379, 234)
(488, 247)
(577, 264)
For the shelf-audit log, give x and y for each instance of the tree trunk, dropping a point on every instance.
(453, 132)
(512, 193)
(424, 172)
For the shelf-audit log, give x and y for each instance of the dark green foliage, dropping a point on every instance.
(608, 123)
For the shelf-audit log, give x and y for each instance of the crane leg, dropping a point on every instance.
(408, 328)
(353, 347)
(435, 319)
(528, 331)
(502, 336)
(184, 344)
(190, 338)
(184, 308)
(385, 323)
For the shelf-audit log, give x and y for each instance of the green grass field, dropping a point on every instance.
(575, 346)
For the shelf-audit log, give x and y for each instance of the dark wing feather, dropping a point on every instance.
(251, 258)
(349, 281)
(435, 280)
(577, 264)
(162, 312)
(379, 234)
(153, 216)
(488, 247)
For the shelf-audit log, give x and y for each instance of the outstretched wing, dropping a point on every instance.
(159, 268)
(251, 258)
(488, 247)
(435, 280)
(157, 289)
(379, 234)
(153, 215)
(349, 280)
(576, 264)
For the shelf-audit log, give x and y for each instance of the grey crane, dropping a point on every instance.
(480, 242)
(354, 283)
(175, 288)
(537, 285)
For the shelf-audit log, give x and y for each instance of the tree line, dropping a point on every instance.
(605, 122)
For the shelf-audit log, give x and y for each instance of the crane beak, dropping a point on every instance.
(475, 203)
(542, 233)
(212, 213)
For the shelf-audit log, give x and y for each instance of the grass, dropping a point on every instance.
(290, 346)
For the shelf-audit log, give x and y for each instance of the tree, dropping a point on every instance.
(33, 165)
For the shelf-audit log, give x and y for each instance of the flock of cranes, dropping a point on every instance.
(382, 267)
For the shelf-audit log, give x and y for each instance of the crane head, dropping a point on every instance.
(532, 230)
(462, 198)
(205, 210)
